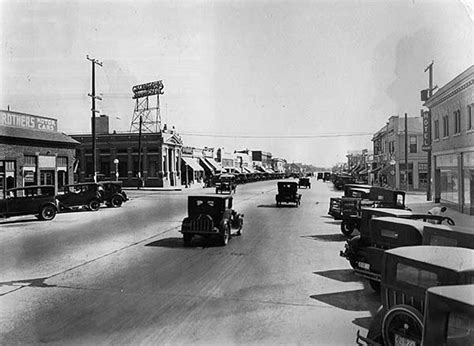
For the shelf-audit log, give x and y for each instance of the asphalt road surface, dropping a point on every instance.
(123, 276)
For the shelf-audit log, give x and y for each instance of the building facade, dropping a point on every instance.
(117, 157)
(389, 166)
(452, 134)
(33, 152)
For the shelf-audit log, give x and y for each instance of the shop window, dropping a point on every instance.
(457, 122)
(62, 161)
(413, 144)
(423, 174)
(436, 129)
(450, 186)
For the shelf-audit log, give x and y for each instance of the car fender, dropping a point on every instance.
(50, 204)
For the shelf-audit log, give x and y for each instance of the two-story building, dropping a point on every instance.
(452, 133)
(389, 154)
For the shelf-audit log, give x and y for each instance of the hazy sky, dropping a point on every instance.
(259, 69)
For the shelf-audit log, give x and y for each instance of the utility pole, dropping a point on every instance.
(430, 93)
(93, 97)
(406, 151)
(140, 153)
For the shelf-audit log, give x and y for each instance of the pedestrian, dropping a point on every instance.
(437, 210)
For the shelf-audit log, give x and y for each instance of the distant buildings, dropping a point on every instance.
(452, 134)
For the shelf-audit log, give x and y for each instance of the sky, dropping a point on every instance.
(305, 80)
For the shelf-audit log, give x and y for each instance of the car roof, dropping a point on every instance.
(287, 182)
(452, 258)
(392, 211)
(31, 187)
(110, 182)
(460, 293)
(409, 222)
(80, 184)
(210, 197)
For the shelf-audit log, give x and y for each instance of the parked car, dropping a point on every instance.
(327, 176)
(407, 273)
(365, 252)
(372, 196)
(449, 315)
(350, 191)
(320, 176)
(226, 183)
(343, 179)
(38, 200)
(211, 216)
(86, 195)
(305, 181)
(445, 235)
(288, 193)
(112, 194)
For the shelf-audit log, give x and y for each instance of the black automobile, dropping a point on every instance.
(86, 195)
(226, 183)
(407, 273)
(343, 179)
(304, 182)
(288, 193)
(36, 200)
(112, 194)
(350, 191)
(211, 216)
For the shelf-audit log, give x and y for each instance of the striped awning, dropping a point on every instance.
(192, 163)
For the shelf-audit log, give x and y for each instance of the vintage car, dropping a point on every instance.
(444, 235)
(342, 179)
(288, 193)
(449, 315)
(86, 195)
(305, 181)
(350, 191)
(372, 197)
(211, 216)
(320, 176)
(407, 273)
(226, 183)
(112, 194)
(327, 176)
(36, 200)
(365, 252)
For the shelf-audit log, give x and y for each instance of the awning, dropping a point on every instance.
(248, 170)
(192, 163)
(354, 169)
(375, 170)
(206, 164)
(364, 171)
(217, 166)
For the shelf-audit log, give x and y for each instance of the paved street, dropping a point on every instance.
(122, 276)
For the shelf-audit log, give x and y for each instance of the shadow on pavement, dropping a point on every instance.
(358, 300)
(342, 275)
(335, 222)
(176, 243)
(14, 222)
(327, 237)
(266, 206)
(363, 322)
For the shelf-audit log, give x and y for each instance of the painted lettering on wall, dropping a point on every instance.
(27, 121)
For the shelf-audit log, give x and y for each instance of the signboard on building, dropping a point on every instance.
(14, 119)
(426, 131)
(148, 89)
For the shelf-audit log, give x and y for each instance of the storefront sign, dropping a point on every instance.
(468, 159)
(47, 161)
(426, 131)
(447, 161)
(148, 89)
(27, 121)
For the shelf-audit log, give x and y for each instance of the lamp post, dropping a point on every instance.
(116, 162)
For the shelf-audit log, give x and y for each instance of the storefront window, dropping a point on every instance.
(468, 188)
(450, 186)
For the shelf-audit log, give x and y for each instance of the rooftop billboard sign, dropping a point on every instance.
(28, 121)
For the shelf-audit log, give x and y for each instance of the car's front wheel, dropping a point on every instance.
(47, 212)
(226, 235)
(402, 322)
(94, 205)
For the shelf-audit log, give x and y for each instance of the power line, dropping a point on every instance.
(315, 135)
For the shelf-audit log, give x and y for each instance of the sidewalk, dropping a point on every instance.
(196, 186)
(418, 203)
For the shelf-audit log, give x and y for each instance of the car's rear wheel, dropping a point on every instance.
(94, 205)
(116, 201)
(404, 323)
(347, 228)
(47, 212)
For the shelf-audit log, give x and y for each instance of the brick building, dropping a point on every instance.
(33, 152)
(452, 133)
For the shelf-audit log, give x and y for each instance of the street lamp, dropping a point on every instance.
(116, 162)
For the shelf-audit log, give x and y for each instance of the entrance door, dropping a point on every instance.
(47, 177)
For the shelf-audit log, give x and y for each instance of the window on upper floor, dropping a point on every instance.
(413, 144)
(470, 120)
(445, 126)
(457, 121)
(436, 129)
